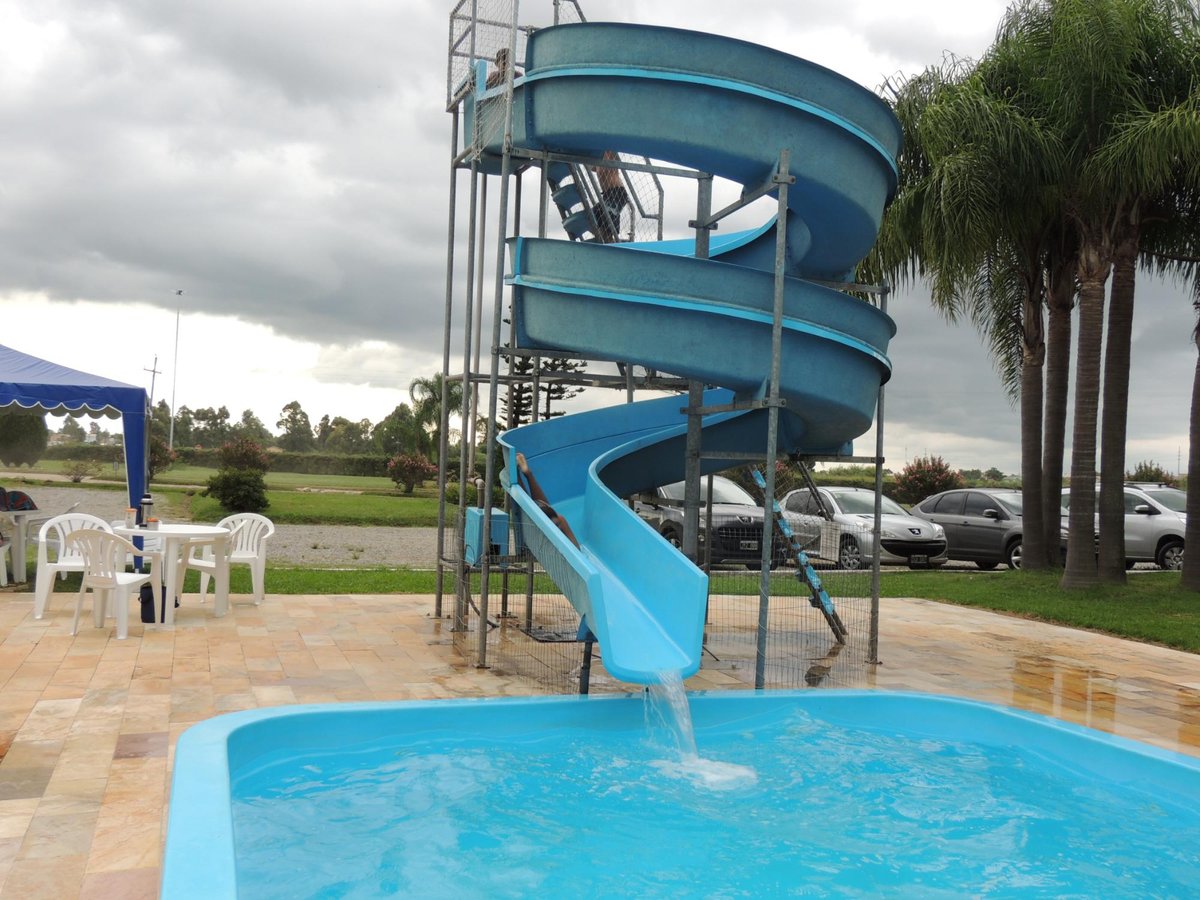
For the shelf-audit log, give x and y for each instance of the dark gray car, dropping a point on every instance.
(737, 522)
(982, 525)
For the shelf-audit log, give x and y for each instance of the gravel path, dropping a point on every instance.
(320, 545)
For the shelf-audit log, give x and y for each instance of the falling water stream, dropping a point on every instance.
(668, 712)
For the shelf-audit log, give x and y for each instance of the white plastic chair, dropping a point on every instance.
(34, 525)
(104, 573)
(54, 532)
(151, 542)
(247, 543)
(5, 553)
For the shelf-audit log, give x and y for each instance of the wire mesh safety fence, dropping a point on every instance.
(533, 631)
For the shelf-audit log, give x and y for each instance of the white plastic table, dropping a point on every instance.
(174, 537)
(19, 517)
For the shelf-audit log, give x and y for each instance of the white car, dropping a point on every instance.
(837, 522)
(1155, 520)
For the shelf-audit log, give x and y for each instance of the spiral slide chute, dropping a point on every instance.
(720, 106)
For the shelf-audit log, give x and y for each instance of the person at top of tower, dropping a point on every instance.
(539, 497)
(500, 72)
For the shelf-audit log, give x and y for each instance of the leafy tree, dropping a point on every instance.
(410, 469)
(348, 437)
(72, 430)
(993, 475)
(321, 435)
(211, 428)
(160, 419)
(400, 432)
(297, 429)
(23, 437)
(184, 427)
(1149, 470)
(925, 476)
(251, 428)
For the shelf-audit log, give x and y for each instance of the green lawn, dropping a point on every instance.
(1150, 607)
(303, 508)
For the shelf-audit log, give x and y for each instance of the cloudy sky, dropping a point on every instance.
(285, 165)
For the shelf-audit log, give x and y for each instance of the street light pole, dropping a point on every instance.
(174, 378)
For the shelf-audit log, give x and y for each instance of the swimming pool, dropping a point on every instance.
(839, 792)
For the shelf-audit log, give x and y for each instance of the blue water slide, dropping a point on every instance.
(726, 107)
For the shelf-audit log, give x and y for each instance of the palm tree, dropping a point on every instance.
(974, 213)
(428, 409)
(1102, 66)
(1144, 163)
(1060, 301)
(1190, 577)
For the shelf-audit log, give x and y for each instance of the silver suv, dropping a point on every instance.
(1155, 519)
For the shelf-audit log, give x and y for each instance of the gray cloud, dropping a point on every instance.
(288, 163)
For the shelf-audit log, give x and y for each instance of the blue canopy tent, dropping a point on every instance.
(33, 383)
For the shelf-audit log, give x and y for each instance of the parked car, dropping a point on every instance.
(837, 524)
(737, 522)
(982, 525)
(1155, 520)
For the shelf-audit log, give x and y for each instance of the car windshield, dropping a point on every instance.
(1172, 499)
(724, 491)
(1010, 500)
(862, 503)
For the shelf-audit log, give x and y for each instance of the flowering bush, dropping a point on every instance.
(408, 470)
(925, 476)
(244, 454)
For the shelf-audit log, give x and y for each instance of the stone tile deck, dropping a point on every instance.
(88, 724)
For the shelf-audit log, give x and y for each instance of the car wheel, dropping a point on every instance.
(1129, 564)
(1170, 556)
(1012, 555)
(850, 554)
(674, 538)
(986, 566)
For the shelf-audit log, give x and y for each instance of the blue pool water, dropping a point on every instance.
(846, 793)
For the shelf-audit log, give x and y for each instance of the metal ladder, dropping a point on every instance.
(805, 573)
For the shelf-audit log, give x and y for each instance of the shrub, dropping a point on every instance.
(78, 471)
(239, 485)
(925, 476)
(452, 494)
(238, 490)
(409, 469)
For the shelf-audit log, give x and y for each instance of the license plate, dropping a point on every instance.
(918, 559)
(749, 545)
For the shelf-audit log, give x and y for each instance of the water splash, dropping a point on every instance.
(667, 712)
